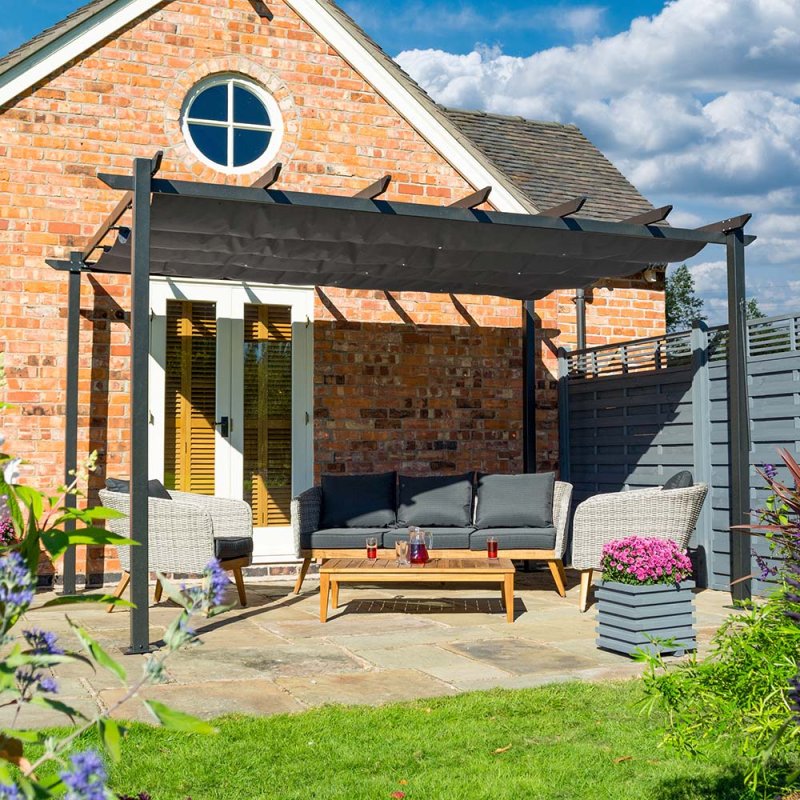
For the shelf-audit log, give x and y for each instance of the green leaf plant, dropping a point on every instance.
(32, 523)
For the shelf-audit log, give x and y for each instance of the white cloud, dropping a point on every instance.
(699, 106)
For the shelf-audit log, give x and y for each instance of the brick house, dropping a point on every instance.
(360, 381)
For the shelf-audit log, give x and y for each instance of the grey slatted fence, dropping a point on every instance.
(634, 413)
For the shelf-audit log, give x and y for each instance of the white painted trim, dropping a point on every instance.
(404, 102)
(73, 44)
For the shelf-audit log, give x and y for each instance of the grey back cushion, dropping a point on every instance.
(515, 501)
(154, 487)
(436, 500)
(680, 480)
(355, 501)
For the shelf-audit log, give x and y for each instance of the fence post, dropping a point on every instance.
(701, 435)
(563, 415)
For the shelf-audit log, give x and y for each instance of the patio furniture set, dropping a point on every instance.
(528, 515)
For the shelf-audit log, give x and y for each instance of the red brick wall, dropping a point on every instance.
(454, 363)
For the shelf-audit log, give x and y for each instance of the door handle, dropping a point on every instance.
(224, 427)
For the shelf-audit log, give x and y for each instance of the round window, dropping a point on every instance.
(232, 124)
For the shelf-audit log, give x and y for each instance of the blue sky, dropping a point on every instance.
(697, 101)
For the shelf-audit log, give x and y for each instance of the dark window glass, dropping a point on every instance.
(248, 146)
(211, 103)
(248, 108)
(211, 141)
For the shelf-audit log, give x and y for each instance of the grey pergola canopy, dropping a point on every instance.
(259, 234)
(269, 236)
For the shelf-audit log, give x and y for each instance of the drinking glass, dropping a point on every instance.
(372, 547)
(491, 547)
(401, 551)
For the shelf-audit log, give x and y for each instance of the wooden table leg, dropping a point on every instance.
(508, 596)
(334, 593)
(324, 591)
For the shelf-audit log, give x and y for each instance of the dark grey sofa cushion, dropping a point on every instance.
(509, 501)
(442, 538)
(154, 487)
(435, 500)
(350, 538)
(358, 501)
(514, 539)
(226, 547)
(680, 480)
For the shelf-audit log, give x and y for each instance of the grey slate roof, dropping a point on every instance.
(541, 163)
(552, 163)
(69, 23)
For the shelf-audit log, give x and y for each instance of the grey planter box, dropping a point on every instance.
(628, 616)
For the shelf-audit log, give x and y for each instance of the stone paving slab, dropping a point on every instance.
(382, 645)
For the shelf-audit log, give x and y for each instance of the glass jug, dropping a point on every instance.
(419, 543)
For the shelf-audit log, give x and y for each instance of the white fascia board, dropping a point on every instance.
(93, 30)
(398, 96)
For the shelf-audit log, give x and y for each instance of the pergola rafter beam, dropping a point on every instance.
(473, 200)
(269, 177)
(650, 217)
(725, 226)
(564, 209)
(375, 189)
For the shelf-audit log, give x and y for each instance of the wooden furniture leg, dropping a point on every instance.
(324, 590)
(508, 596)
(586, 582)
(301, 577)
(334, 593)
(120, 588)
(158, 591)
(559, 576)
(237, 576)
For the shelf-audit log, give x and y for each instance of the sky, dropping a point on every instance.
(696, 101)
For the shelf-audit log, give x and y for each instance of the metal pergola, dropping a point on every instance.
(265, 235)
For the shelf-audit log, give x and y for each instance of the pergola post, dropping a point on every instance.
(738, 417)
(140, 354)
(71, 408)
(528, 387)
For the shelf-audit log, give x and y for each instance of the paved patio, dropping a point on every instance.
(382, 645)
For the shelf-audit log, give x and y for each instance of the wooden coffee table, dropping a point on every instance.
(437, 570)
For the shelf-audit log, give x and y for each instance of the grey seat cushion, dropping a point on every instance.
(508, 501)
(227, 547)
(358, 501)
(442, 538)
(680, 480)
(349, 538)
(515, 539)
(435, 500)
(154, 487)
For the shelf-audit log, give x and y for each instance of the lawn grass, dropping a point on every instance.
(569, 740)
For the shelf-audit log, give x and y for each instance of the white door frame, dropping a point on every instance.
(276, 543)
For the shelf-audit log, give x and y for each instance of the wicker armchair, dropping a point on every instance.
(185, 533)
(666, 514)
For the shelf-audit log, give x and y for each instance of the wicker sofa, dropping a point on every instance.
(662, 512)
(186, 531)
(527, 514)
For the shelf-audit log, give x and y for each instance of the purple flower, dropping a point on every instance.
(217, 582)
(769, 470)
(16, 589)
(29, 681)
(645, 560)
(42, 642)
(8, 791)
(86, 779)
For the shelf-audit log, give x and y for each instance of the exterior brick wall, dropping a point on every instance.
(408, 381)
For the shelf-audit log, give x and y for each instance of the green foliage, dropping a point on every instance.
(682, 306)
(742, 694)
(737, 697)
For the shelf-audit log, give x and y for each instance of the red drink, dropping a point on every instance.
(491, 548)
(372, 552)
(418, 553)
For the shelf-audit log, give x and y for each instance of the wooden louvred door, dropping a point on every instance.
(267, 395)
(190, 396)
